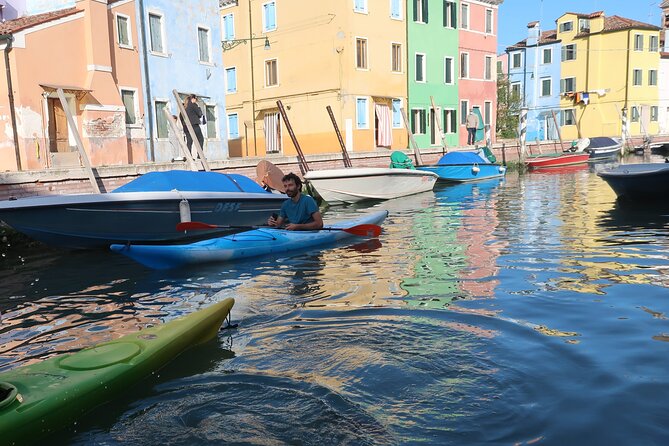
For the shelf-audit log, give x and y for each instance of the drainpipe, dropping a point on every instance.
(406, 106)
(148, 123)
(7, 39)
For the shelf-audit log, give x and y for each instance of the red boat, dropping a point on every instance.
(562, 159)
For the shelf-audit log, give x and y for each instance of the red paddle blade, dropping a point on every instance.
(194, 225)
(364, 230)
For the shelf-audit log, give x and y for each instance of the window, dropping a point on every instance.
(420, 11)
(448, 70)
(418, 121)
(156, 33)
(567, 85)
(233, 126)
(546, 86)
(271, 73)
(464, 109)
(228, 27)
(653, 44)
(567, 117)
(397, 114)
(123, 31)
(515, 90)
(487, 74)
(464, 16)
(396, 58)
(583, 25)
(488, 21)
(636, 77)
(566, 27)
(231, 80)
(361, 53)
(652, 77)
(361, 113)
(635, 114)
(450, 121)
(161, 120)
(638, 42)
(450, 14)
(128, 98)
(269, 17)
(499, 67)
(420, 67)
(547, 56)
(360, 6)
(464, 65)
(516, 60)
(203, 44)
(487, 112)
(210, 116)
(396, 9)
(653, 112)
(569, 52)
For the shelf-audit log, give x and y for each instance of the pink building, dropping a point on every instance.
(478, 63)
(90, 52)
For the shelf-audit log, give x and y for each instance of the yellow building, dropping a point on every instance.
(609, 69)
(349, 55)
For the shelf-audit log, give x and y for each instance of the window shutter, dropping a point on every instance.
(362, 119)
(425, 11)
(446, 6)
(397, 118)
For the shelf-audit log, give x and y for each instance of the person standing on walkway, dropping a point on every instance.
(194, 113)
(472, 123)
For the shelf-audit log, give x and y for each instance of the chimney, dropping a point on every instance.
(533, 33)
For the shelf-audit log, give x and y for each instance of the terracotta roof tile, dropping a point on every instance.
(12, 26)
(664, 4)
(616, 23)
(549, 36)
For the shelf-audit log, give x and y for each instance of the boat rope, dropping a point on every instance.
(228, 322)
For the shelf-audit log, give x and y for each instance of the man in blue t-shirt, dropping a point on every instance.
(301, 211)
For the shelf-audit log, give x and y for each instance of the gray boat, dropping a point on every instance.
(146, 210)
(639, 182)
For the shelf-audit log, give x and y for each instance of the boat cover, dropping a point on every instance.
(461, 158)
(186, 180)
(602, 141)
(399, 160)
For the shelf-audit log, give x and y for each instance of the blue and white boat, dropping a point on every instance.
(601, 147)
(639, 182)
(145, 210)
(465, 166)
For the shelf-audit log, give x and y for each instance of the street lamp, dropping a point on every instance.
(230, 44)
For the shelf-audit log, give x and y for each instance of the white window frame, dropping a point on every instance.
(401, 16)
(464, 24)
(232, 24)
(355, 53)
(520, 88)
(463, 116)
(163, 37)
(466, 66)
(636, 36)
(357, 121)
(634, 72)
(424, 68)
(225, 70)
(167, 106)
(520, 59)
(452, 21)
(487, 62)
(492, 22)
(265, 29)
(562, 26)
(447, 122)
(209, 48)
(563, 116)
(650, 79)
(487, 120)
(419, 9)
(276, 60)
(216, 120)
(365, 9)
(392, 55)
(566, 90)
(135, 100)
(392, 111)
(654, 117)
(635, 114)
(566, 49)
(452, 73)
(227, 124)
(129, 45)
(545, 51)
(418, 129)
(583, 25)
(653, 47)
(550, 87)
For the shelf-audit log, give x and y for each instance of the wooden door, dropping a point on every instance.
(58, 135)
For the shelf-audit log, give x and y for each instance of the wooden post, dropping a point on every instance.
(304, 167)
(347, 160)
(180, 141)
(77, 138)
(416, 151)
(536, 141)
(504, 154)
(437, 121)
(189, 129)
(557, 127)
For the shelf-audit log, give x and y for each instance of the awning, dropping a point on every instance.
(77, 91)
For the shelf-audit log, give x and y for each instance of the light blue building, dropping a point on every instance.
(534, 75)
(180, 49)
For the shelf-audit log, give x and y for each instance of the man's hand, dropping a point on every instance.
(272, 221)
(293, 227)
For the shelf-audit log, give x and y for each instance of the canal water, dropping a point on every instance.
(531, 310)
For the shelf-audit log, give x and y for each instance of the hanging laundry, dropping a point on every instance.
(585, 98)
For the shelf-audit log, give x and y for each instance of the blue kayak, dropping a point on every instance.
(256, 242)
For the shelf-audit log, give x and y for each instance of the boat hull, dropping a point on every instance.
(42, 398)
(466, 172)
(98, 220)
(557, 161)
(649, 181)
(338, 186)
(257, 242)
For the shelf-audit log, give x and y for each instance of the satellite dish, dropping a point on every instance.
(268, 175)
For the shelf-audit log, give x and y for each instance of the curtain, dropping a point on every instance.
(384, 136)
(272, 140)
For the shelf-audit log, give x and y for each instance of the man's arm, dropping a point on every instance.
(314, 225)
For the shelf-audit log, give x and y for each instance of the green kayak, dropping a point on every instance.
(42, 398)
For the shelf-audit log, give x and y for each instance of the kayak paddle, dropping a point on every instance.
(366, 230)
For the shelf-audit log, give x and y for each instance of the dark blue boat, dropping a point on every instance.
(638, 181)
(601, 147)
(465, 166)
